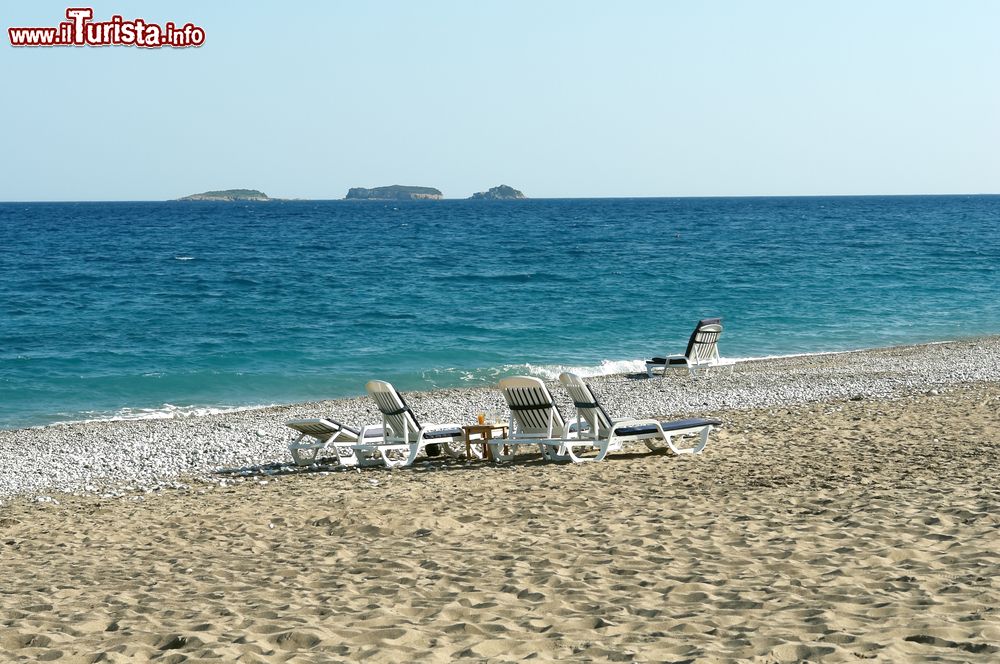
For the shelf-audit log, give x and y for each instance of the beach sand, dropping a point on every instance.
(835, 530)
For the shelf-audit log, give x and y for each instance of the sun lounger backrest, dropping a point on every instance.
(703, 342)
(532, 408)
(396, 415)
(322, 427)
(588, 407)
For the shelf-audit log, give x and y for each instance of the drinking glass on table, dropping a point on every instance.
(482, 418)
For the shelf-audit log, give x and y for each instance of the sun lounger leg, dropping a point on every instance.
(702, 441)
(365, 459)
(457, 450)
(673, 448)
(550, 453)
(301, 453)
(412, 456)
(602, 451)
(389, 463)
(346, 456)
(496, 450)
(304, 456)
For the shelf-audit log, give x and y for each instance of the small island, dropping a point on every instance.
(396, 192)
(501, 193)
(228, 195)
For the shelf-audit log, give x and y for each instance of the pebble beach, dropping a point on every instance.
(116, 458)
(847, 509)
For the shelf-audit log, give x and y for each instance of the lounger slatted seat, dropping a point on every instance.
(325, 435)
(702, 353)
(402, 431)
(597, 429)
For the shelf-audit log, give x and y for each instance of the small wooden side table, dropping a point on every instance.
(485, 433)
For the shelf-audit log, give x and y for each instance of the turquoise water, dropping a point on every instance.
(141, 309)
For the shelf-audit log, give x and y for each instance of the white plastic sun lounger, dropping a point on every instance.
(702, 353)
(324, 435)
(534, 418)
(402, 431)
(595, 428)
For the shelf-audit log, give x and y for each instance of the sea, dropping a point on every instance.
(164, 309)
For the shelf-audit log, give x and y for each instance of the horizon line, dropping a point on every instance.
(527, 198)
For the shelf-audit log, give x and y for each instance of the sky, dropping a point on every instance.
(558, 99)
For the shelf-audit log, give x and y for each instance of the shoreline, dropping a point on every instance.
(171, 412)
(123, 457)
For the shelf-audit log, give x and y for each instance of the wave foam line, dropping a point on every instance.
(605, 368)
(165, 412)
(545, 371)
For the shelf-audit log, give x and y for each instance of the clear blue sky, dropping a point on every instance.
(573, 99)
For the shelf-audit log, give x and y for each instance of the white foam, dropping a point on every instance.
(165, 412)
(183, 258)
(546, 371)
(605, 368)
(613, 367)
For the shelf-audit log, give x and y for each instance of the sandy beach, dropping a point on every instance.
(226, 224)
(848, 509)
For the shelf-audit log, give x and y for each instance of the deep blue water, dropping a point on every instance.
(115, 308)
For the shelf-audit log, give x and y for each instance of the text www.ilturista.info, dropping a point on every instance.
(79, 30)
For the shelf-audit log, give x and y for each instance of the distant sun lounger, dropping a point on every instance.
(702, 353)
